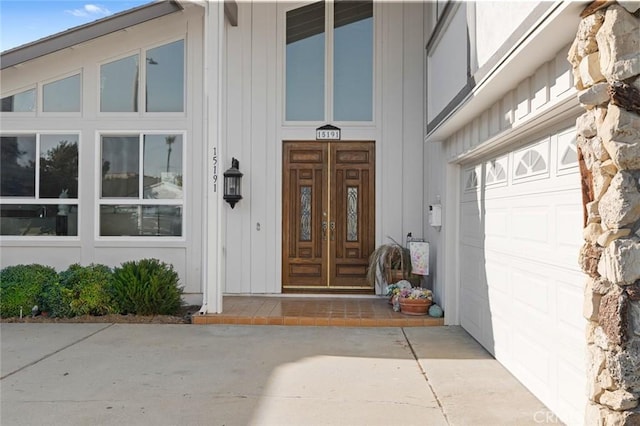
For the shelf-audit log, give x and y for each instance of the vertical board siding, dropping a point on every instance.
(549, 85)
(235, 229)
(255, 128)
(392, 112)
(413, 77)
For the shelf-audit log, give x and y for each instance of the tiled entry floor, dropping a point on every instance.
(313, 311)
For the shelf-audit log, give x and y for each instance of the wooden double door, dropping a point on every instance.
(328, 215)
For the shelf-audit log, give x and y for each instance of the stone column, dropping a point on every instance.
(606, 65)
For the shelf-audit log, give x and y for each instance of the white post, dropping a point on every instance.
(213, 273)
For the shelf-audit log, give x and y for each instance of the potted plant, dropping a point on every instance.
(415, 301)
(393, 290)
(388, 264)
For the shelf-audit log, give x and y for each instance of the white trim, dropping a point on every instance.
(451, 244)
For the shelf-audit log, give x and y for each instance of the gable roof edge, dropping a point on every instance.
(86, 32)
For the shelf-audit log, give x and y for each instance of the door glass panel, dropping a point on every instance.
(165, 78)
(353, 61)
(352, 213)
(305, 63)
(305, 213)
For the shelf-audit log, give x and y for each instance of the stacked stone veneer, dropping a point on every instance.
(606, 64)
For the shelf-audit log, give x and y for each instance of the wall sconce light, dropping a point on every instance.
(232, 183)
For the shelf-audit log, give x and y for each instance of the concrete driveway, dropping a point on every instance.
(139, 374)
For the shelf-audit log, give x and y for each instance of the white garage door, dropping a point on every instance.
(521, 287)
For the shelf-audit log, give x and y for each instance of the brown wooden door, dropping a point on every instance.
(328, 215)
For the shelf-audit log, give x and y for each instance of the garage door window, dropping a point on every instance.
(532, 161)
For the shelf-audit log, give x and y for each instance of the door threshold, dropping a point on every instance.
(300, 295)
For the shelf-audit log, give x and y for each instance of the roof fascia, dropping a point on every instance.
(90, 31)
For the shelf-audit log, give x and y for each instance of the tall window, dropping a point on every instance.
(307, 73)
(39, 184)
(163, 67)
(141, 185)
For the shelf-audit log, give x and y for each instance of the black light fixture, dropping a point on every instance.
(232, 184)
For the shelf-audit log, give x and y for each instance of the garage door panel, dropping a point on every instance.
(569, 313)
(497, 223)
(471, 230)
(471, 308)
(532, 362)
(571, 384)
(498, 276)
(472, 278)
(531, 290)
(519, 265)
(531, 226)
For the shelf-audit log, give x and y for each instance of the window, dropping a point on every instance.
(39, 184)
(119, 85)
(20, 102)
(165, 78)
(163, 67)
(353, 61)
(62, 95)
(307, 73)
(141, 185)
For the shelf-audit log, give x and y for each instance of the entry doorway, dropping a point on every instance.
(328, 207)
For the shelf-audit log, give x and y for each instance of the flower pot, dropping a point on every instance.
(414, 306)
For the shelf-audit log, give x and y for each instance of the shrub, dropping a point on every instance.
(21, 287)
(147, 287)
(82, 290)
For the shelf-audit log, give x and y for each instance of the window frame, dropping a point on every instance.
(141, 52)
(37, 200)
(140, 200)
(328, 66)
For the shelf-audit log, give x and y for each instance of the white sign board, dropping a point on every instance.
(327, 134)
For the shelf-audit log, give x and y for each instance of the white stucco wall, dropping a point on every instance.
(255, 130)
(447, 63)
(494, 22)
(184, 254)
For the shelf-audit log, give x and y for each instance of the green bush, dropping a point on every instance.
(146, 287)
(82, 290)
(21, 287)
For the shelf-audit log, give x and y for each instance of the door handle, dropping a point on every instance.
(333, 228)
(324, 230)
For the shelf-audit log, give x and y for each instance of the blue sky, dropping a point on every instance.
(24, 21)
